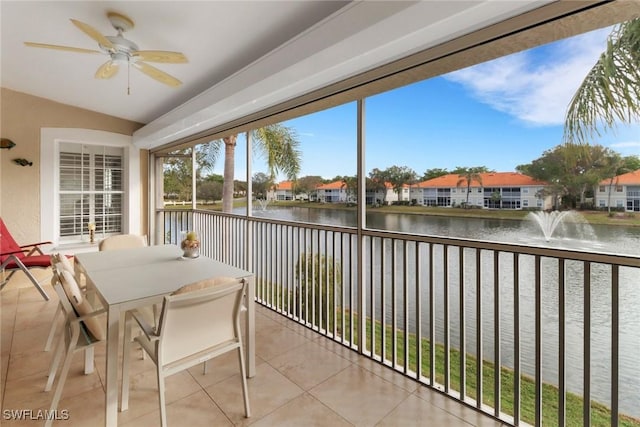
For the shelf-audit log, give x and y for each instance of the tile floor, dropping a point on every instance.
(303, 379)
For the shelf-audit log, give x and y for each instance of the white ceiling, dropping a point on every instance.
(243, 55)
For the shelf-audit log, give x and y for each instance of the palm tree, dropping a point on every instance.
(277, 143)
(467, 176)
(610, 93)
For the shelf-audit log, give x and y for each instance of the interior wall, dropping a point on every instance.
(21, 117)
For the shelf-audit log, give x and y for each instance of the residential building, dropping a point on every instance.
(333, 192)
(281, 191)
(494, 190)
(388, 195)
(622, 192)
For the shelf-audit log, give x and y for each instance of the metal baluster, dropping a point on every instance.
(445, 304)
(496, 335)
(562, 377)
(432, 320)
(418, 312)
(383, 304)
(586, 411)
(394, 308)
(462, 342)
(538, 343)
(516, 340)
(479, 334)
(615, 342)
(405, 278)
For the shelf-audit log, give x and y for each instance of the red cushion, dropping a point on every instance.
(42, 261)
(7, 242)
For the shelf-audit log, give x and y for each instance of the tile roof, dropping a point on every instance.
(335, 185)
(284, 185)
(489, 179)
(630, 178)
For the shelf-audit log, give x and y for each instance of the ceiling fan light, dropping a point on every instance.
(120, 58)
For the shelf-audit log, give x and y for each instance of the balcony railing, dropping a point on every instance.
(525, 334)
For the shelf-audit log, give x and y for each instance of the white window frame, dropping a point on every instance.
(50, 139)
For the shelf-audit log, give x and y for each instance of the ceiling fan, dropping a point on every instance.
(122, 51)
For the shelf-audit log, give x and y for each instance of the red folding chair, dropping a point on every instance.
(14, 257)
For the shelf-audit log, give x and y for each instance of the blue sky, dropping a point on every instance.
(497, 114)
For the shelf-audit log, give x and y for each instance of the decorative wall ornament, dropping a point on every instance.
(22, 162)
(7, 143)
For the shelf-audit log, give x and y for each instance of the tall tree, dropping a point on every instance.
(466, 175)
(261, 183)
(350, 184)
(571, 170)
(378, 183)
(277, 143)
(434, 173)
(308, 185)
(610, 93)
(630, 163)
(177, 171)
(399, 176)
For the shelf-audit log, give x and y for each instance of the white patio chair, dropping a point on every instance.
(126, 241)
(122, 241)
(82, 330)
(195, 326)
(62, 263)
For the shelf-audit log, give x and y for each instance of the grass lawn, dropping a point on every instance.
(600, 414)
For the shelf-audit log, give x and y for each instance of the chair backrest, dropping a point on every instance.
(72, 330)
(122, 241)
(195, 321)
(8, 243)
(91, 327)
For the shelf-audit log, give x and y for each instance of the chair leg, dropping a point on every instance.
(161, 400)
(243, 377)
(32, 278)
(54, 364)
(52, 331)
(124, 396)
(58, 393)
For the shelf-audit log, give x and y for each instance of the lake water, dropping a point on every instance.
(608, 239)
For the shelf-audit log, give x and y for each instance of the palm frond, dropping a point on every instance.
(610, 93)
(279, 145)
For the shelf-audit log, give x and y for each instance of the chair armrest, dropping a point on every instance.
(36, 244)
(35, 247)
(148, 330)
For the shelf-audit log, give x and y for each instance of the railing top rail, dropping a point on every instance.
(569, 254)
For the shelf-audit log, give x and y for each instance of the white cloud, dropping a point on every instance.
(627, 148)
(536, 85)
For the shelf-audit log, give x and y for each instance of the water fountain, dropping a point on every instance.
(263, 204)
(548, 221)
(563, 225)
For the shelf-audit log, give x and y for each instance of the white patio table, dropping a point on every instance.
(133, 278)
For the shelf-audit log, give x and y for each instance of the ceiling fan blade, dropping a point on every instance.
(161, 56)
(57, 47)
(107, 70)
(93, 33)
(159, 75)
